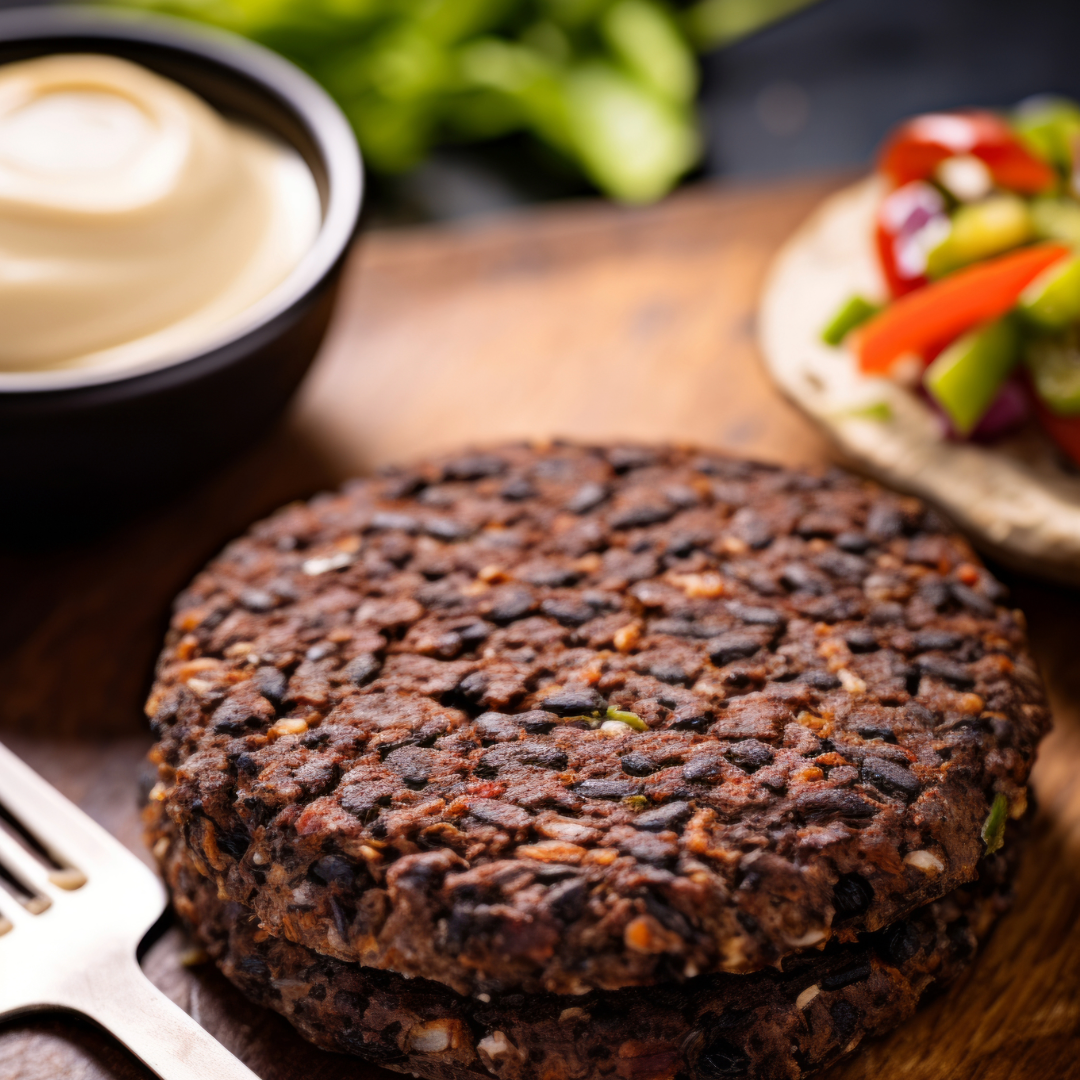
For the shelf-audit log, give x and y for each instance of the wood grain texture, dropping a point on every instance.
(587, 321)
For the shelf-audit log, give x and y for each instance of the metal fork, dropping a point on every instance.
(74, 906)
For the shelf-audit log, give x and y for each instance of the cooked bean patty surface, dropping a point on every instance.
(764, 1026)
(564, 719)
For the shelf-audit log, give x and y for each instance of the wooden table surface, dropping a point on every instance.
(585, 321)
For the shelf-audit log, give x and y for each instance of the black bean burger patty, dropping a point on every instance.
(572, 718)
(764, 1026)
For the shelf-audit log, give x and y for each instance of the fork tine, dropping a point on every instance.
(22, 864)
(61, 827)
(80, 955)
(75, 840)
(12, 913)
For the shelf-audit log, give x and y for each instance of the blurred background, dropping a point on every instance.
(466, 106)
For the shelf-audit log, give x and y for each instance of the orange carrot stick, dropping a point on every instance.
(944, 309)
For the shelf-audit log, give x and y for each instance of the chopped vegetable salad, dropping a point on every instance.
(978, 240)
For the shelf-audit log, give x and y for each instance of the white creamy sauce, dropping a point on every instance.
(135, 221)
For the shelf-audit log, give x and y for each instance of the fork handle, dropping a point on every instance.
(157, 1031)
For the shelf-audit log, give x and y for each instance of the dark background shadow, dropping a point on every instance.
(819, 90)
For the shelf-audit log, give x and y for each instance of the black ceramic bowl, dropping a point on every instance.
(94, 439)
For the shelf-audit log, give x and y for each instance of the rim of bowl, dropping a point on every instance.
(272, 74)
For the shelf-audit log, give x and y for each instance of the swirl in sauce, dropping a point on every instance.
(135, 221)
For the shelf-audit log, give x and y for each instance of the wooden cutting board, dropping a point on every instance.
(586, 321)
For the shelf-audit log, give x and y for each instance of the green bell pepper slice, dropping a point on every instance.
(979, 230)
(966, 377)
(1052, 301)
(1049, 125)
(855, 311)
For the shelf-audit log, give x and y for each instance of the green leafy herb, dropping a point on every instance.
(993, 831)
(628, 718)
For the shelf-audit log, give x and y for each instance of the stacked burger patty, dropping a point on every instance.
(578, 761)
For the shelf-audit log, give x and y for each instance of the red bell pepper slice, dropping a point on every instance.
(941, 311)
(898, 283)
(905, 218)
(918, 146)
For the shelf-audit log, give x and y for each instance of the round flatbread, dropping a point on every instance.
(1016, 498)
(566, 718)
(755, 1027)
